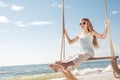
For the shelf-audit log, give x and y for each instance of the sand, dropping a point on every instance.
(93, 76)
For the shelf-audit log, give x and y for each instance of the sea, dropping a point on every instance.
(43, 72)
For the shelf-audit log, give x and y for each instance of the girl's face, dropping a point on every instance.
(83, 24)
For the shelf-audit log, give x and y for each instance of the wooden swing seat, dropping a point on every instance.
(99, 58)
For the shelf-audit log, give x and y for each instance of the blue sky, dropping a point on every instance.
(30, 30)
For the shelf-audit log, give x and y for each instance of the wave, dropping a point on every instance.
(92, 70)
(47, 76)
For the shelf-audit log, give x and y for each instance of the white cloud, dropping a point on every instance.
(4, 30)
(20, 24)
(34, 23)
(13, 7)
(115, 12)
(3, 4)
(59, 6)
(55, 4)
(16, 7)
(40, 23)
(4, 19)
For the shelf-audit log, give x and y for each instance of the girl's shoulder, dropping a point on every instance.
(92, 33)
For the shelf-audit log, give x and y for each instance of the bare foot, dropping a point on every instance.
(54, 67)
(63, 65)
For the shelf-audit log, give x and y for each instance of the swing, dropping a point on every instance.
(113, 58)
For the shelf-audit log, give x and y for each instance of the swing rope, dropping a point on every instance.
(67, 74)
(114, 64)
(62, 54)
(109, 35)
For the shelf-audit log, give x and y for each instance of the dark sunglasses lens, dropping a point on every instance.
(84, 23)
(80, 23)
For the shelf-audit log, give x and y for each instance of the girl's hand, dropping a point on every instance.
(107, 23)
(64, 31)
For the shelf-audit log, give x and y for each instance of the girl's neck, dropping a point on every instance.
(85, 31)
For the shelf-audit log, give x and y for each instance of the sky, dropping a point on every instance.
(31, 30)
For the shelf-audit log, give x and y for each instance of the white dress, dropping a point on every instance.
(86, 51)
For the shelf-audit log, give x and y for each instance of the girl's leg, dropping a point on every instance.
(65, 65)
(54, 67)
(81, 58)
(76, 61)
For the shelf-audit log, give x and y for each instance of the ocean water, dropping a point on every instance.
(43, 72)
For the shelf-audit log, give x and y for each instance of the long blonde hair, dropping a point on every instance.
(90, 29)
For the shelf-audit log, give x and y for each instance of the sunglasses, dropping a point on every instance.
(83, 23)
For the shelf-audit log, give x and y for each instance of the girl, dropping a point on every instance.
(88, 42)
